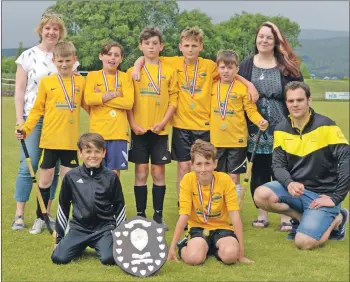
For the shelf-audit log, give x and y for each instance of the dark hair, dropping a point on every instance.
(204, 148)
(287, 61)
(228, 57)
(149, 32)
(94, 138)
(293, 85)
(106, 47)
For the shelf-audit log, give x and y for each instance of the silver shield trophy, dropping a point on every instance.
(139, 246)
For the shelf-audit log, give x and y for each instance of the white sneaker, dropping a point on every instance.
(37, 227)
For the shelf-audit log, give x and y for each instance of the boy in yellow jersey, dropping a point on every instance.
(228, 126)
(208, 202)
(59, 99)
(155, 103)
(191, 120)
(110, 93)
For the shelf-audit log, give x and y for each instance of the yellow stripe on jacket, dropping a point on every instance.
(109, 119)
(307, 143)
(149, 107)
(231, 131)
(60, 126)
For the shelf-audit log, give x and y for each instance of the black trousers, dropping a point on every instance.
(261, 171)
(76, 241)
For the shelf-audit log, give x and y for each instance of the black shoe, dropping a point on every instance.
(339, 234)
(160, 220)
(295, 223)
(142, 214)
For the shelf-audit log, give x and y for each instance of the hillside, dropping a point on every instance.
(325, 57)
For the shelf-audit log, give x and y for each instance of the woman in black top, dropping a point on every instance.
(270, 69)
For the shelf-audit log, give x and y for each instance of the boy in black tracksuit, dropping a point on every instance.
(98, 204)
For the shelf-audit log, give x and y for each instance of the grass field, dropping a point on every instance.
(26, 257)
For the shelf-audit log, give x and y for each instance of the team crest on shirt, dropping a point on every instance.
(216, 197)
(234, 96)
(163, 76)
(77, 89)
(202, 74)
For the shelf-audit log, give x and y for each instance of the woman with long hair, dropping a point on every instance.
(273, 65)
(32, 65)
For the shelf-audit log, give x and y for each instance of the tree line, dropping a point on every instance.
(91, 23)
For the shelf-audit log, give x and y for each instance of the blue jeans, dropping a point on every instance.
(24, 180)
(314, 222)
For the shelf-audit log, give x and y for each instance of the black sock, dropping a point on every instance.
(45, 193)
(158, 193)
(141, 199)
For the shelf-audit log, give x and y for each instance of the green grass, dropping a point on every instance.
(319, 87)
(26, 257)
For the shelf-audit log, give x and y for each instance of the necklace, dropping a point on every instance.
(261, 77)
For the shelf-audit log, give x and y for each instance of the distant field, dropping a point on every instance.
(26, 257)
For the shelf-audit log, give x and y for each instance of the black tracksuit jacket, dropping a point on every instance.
(317, 156)
(97, 199)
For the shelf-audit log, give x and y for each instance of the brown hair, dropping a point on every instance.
(204, 148)
(228, 57)
(106, 47)
(51, 17)
(149, 32)
(287, 61)
(64, 49)
(293, 85)
(94, 138)
(192, 32)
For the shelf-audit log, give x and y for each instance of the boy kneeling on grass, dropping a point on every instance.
(208, 202)
(98, 204)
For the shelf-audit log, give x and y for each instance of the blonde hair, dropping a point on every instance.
(64, 49)
(51, 17)
(228, 57)
(204, 148)
(192, 32)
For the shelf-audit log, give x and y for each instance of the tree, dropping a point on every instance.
(94, 22)
(305, 71)
(8, 65)
(238, 33)
(20, 49)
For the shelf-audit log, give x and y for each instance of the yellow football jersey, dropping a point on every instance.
(224, 199)
(60, 125)
(193, 111)
(229, 129)
(150, 106)
(109, 119)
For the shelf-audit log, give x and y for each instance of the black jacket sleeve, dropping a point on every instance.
(280, 167)
(341, 153)
(63, 208)
(118, 202)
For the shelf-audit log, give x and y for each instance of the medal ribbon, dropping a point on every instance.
(156, 88)
(194, 78)
(223, 110)
(106, 82)
(66, 96)
(206, 216)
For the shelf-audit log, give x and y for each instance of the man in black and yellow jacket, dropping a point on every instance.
(311, 165)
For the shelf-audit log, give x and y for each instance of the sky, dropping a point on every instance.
(19, 18)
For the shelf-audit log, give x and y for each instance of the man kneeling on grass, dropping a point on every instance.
(208, 201)
(98, 204)
(311, 165)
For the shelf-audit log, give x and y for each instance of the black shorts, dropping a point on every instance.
(182, 141)
(149, 145)
(212, 239)
(68, 158)
(232, 160)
